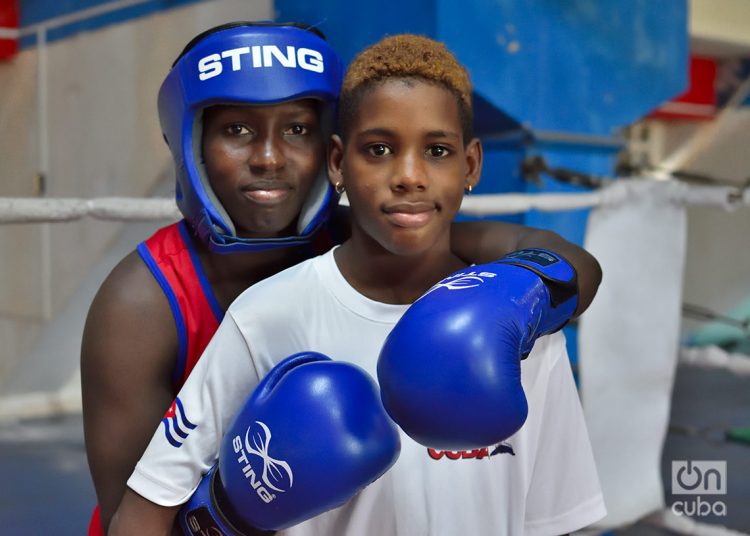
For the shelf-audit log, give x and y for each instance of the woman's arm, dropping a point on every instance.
(128, 352)
(137, 515)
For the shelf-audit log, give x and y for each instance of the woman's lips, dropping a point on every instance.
(267, 192)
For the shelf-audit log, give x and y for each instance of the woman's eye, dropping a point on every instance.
(438, 151)
(297, 130)
(379, 149)
(238, 130)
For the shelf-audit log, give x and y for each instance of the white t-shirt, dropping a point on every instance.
(542, 480)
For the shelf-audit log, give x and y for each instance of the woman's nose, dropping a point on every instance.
(267, 154)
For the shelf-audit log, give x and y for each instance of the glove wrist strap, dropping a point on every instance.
(558, 276)
(557, 273)
(219, 517)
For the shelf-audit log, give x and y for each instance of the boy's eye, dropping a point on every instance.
(379, 149)
(297, 130)
(238, 130)
(438, 151)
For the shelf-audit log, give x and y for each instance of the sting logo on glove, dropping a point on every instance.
(273, 470)
(461, 281)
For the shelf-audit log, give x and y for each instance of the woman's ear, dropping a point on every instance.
(335, 159)
(474, 154)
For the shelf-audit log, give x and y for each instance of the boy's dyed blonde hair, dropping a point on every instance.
(405, 56)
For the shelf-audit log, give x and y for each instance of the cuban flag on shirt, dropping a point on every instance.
(176, 424)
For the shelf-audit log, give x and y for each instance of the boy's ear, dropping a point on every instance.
(335, 158)
(474, 154)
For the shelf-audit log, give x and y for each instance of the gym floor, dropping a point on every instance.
(47, 490)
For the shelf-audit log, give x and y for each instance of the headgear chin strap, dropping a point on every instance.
(249, 64)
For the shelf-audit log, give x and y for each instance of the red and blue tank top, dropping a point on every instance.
(171, 256)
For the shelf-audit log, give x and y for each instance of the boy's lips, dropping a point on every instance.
(411, 214)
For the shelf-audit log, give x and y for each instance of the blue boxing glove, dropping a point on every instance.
(311, 435)
(450, 371)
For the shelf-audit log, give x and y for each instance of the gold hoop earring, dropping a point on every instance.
(339, 187)
(468, 188)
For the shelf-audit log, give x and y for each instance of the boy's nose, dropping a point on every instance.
(410, 175)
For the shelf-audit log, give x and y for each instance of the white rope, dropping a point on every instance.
(496, 204)
(38, 210)
(715, 357)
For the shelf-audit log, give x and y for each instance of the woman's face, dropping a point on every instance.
(405, 165)
(261, 162)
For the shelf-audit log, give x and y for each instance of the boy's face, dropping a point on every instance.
(405, 165)
(261, 162)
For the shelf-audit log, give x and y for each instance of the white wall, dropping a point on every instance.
(717, 272)
(104, 140)
(720, 26)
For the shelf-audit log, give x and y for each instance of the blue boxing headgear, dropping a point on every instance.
(244, 63)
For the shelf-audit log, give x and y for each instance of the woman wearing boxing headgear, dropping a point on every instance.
(246, 123)
(246, 110)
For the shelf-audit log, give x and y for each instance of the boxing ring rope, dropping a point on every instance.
(45, 210)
